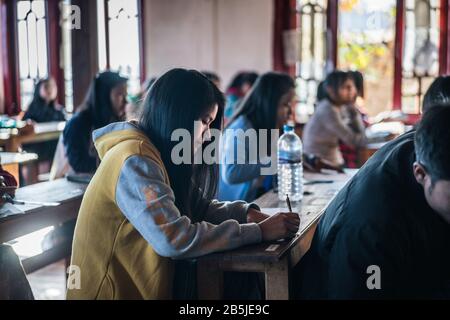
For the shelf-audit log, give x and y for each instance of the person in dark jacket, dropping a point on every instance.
(387, 233)
(105, 103)
(44, 107)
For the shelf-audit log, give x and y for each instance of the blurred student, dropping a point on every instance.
(142, 213)
(133, 108)
(328, 124)
(241, 84)
(105, 103)
(268, 106)
(214, 78)
(44, 107)
(350, 152)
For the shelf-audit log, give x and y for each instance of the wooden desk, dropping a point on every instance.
(275, 260)
(11, 162)
(12, 140)
(36, 217)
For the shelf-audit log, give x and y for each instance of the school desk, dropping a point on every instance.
(274, 259)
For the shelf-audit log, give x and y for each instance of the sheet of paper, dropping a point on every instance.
(8, 209)
(273, 211)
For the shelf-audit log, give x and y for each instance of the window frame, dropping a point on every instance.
(141, 22)
(400, 27)
(10, 57)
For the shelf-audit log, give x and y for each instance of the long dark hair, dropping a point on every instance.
(98, 99)
(41, 111)
(37, 99)
(260, 106)
(242, 78)
(437, 94)
(334, 81)
(176, 100)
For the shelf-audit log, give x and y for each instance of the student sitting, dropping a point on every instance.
(43, 107)
(105, 103)
(241, 84)
(327, 126)
(268, 106)
(349, 152)
(387, 233)
(142, 211)
(214, 78)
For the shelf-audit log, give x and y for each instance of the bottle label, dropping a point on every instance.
(289, 158)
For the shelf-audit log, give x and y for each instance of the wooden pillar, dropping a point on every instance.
(8, 56)
(84, 50)
(285, 19)
(444, 40)
(332, 30)
(398, 52)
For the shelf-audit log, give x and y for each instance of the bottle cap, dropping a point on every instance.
(288, 128)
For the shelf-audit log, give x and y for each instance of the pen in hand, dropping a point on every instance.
(288, 203)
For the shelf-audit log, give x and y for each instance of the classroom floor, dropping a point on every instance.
(49, 283)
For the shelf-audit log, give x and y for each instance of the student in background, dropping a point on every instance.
(327, 126)
(105, 103)
(241, 84)
(268, 106)
(214, 78)
(142, 211)
(349, 152)
(44, 107)
(134, 106)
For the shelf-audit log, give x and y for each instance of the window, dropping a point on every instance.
(32, 46)
(366, 38)
(420, 64)
(313, 53)
(66, 25)
(119, 39)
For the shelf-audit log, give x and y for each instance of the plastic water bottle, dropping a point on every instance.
(290, 166)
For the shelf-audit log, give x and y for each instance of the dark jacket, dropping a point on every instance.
(41, 112)
(380, 218)
(77, 138)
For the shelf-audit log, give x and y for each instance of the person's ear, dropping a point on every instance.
(419, 173)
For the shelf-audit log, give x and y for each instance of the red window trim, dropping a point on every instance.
(398, 54)
(332, 30)
(285, 14)
(54, 43)
(9, 50)
(444, 45)
(10, 63)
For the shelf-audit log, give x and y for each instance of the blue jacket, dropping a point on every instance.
(240, 181)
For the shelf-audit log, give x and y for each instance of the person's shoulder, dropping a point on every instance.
(240, 122)
(78, 123)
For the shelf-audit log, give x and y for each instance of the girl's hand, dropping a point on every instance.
(256, 216)
(280, 226)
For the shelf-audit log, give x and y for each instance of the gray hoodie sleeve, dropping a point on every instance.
(149, 204)
(219, 212)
